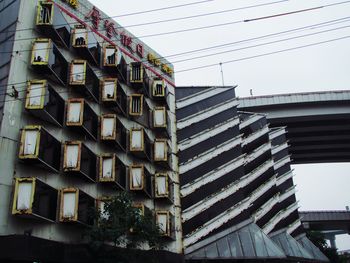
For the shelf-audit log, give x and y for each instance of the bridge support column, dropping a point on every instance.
(331, 239)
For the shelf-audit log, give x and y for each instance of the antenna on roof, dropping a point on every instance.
(222, 74)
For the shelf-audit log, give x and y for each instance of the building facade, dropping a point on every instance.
(87, 110)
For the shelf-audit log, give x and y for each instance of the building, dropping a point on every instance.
(237, 193)
(86, 110)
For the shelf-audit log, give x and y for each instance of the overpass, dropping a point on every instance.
(331, 223)
(318, 123)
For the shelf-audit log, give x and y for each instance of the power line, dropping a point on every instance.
(264, 54)
(262, 44)
(161, 21)
(313, 26)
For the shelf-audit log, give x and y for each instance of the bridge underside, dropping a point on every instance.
(317, 124)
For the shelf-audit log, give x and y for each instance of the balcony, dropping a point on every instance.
(83, 78)
(79, 160)
(112, 171)
(44, 102)
(34, 199)
(140, 180)
(113, 131)
(158, 90)
(138, 78)
(82, 118)
(161, 152)
(139, 109)
(46, 59)
(51, 23)
(75, 206)
(165, 220)
(160, 121)
(113, 95)
(39, 147)
(139, 143)
(86, 45)
(163, 189)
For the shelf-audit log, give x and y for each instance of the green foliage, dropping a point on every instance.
(121, 224)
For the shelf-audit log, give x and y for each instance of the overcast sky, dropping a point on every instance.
(316, 68)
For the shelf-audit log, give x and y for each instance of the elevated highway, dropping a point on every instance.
(318, 123)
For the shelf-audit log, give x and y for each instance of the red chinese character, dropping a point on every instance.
(95, 17)
(126, 41)
(110, 29)
(139, 50)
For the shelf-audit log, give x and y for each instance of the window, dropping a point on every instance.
(109, 90)
(136, 177)
(82, 117)
(158, 88)
(69, 204)
(35, 94)
(30, 142)
(39, 146)
(44, 13)
(136, 105)
(136, 139)
(80, 160)
(77, 72)
(159, 117)
(34, 198)
(110, 56)
(40, 51)
(108, 127)
(75, 112)
(24, 196)
(107, 168)
(162, 185)
(136, 72)
(80, 36)
(160, 150)
(163, 221)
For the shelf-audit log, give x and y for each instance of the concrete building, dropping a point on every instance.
(86, 110)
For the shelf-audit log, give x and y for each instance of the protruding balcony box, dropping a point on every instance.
(113, 62)
(85, 43)
(38, 146)
(163, 187)
(44, 102)
(139, 109)
(47, 59)
(158, 90)
(51, 23)
(75, 206)
(160, 152)
(164, 222)
(160, 120)
(113, 95)
(112, 131)
(81, 76)
(82, 118)
(112, 171)
(139, 143)
(79, 160)
(138, 78)
(140, 180)
(34, 199)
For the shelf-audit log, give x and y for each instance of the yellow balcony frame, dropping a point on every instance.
(109, 116)
(71, 74)
(164, 114)
(37, 21)
(29, 211)
(62, 192)
(131, 187)
(131, 113)
(154, 85)
(42, 97)
(167, 213)
(41, 40)
(100, 174)
(157, 195)
(165, 141)
(85, 38)
(81, 115)
(132, 149)
(65, 167)
(103, 82)
(105, 55)
(21, 154)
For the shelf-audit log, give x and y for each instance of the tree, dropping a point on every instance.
(120, 224)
